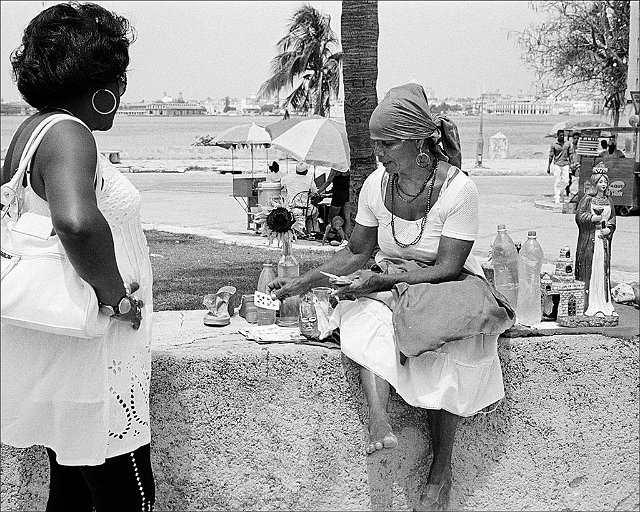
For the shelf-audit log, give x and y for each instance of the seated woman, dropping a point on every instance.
(422, 212)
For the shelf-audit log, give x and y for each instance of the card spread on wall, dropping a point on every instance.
(262, 300)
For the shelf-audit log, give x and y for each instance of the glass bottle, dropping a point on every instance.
(529, 308)
(288, 266)
(265, 316)
(505, 266)
(308, 317)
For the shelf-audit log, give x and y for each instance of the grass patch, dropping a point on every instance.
(187, 267)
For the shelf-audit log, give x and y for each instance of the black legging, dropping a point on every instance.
(122, 484)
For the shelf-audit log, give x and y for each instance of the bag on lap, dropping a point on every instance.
(40, 288)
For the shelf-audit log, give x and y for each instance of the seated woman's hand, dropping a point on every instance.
(364, 282)
(283, 287)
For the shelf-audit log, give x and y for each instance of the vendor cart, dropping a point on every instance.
(245, 192)
(624, 173)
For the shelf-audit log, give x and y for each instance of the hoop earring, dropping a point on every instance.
(423, 159)
(110, 111)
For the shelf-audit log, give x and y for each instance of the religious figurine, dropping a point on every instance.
(596, 220)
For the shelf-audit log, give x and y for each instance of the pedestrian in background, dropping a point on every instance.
(560, 158)
(575, 161)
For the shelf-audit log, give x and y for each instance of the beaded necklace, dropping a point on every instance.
(398, 188)
(432, 179)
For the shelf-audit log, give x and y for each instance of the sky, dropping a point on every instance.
(216, 49)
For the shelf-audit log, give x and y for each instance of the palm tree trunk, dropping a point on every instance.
(359, 28)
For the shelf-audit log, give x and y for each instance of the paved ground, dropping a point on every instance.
(201, 202)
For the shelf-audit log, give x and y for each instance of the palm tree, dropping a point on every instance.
(309, 52)
(359, 28)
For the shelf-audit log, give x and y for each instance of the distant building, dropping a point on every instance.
(166, 107)
(519, 106)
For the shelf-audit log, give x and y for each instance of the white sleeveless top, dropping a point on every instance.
(87, 400)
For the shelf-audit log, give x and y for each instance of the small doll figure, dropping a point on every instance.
(334, 232)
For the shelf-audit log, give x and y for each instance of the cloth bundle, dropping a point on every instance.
(426, 315)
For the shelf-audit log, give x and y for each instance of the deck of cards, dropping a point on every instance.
(338, 280)
(263, 300)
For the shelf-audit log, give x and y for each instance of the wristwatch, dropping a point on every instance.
(122, 308)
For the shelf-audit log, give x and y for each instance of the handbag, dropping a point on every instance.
(40, 288)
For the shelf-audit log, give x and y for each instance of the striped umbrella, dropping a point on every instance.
(316, 140)
(246, 134)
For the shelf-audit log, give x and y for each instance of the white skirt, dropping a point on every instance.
(463, 377)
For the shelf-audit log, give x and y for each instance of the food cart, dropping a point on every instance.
(245, 192)
(624, 173)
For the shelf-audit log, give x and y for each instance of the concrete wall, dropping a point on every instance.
(238, 425)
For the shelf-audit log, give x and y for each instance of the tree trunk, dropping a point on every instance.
(359, 28)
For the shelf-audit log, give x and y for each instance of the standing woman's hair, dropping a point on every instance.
(69, 49)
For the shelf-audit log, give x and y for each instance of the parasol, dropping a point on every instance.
(576, 124)
(315, 140)
(246, 134)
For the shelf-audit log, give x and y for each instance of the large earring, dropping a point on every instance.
(111, 110)
(423, 159)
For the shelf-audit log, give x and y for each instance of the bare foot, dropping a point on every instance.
(380, 436)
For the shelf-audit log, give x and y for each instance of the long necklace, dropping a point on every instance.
(396, 185)
(424, 218)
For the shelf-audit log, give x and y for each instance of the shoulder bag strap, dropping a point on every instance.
(9, 190)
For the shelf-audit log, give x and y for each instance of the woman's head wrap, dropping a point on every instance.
(404, 114)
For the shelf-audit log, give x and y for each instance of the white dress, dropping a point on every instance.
(85, 399)
(463, 376)
(599, 302)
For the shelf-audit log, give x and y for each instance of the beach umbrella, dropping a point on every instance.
(243, 135)
(315, 140)
(576, 124)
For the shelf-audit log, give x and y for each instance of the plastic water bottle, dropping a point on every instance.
(505, 266)
(266, 316)
(529, 308)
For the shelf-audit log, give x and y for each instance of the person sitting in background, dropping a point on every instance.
(296, 190)
(612, 149)
(422, 212)
(274, 175)
(339, 197)
(603, 147)
(334, 232)
(85, 401)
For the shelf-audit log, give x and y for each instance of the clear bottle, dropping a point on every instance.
(308, 317)
(505, 266)
(288, 266)
(265, 316)
(529, 308)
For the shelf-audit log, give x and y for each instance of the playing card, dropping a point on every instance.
(262, 300)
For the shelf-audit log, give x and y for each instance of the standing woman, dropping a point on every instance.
(422, 212)
(86, 401)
